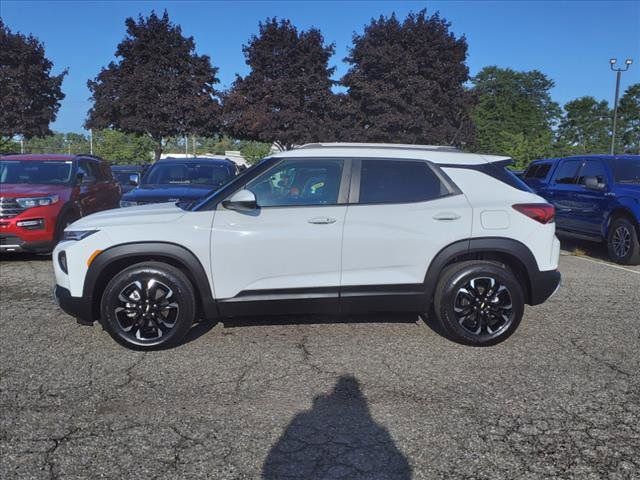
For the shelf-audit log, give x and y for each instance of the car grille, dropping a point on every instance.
(9, 208)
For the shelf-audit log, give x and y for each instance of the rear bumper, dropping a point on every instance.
(544, 285)
(78, 307)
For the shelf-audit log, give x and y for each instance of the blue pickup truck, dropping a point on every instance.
(597, 198)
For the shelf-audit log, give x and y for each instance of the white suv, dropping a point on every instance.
(324, 228)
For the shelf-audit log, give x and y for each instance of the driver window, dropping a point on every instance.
(298, 183)
(592, 168)
(85, 170)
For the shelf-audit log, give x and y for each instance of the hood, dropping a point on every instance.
(16, 190)
(139, 216)
(168, 193)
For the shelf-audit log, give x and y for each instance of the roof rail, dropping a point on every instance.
(441, 148)
(89, 155)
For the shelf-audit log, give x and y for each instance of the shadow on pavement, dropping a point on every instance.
(585, 248)
(336, 439)
(25, 257)
(251, 321)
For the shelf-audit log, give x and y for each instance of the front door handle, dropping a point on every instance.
(446, 216)
(322, 220)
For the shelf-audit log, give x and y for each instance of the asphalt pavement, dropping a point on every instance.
(370, 397)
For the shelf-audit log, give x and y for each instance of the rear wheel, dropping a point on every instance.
(478, 303)
(148, 306)
(622, 242)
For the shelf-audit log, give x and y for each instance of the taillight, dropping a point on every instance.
(540, 212)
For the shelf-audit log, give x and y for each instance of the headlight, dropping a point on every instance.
(37, 201)
(127, 203)
(77, 234)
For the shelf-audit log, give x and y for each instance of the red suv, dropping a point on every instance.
(41, 194)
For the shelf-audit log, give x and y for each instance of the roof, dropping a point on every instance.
(601, 156)
(435, 154)
(38, 156)
(196, 160)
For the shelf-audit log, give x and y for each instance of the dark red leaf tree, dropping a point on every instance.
(29, 94)
(407, 83)
(286, 98)
(159, 86)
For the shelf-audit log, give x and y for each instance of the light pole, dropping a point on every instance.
(618, 71)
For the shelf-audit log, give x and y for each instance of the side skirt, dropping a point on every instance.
(330, 301)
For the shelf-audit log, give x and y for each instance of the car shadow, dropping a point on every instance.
(336, 438)
(585, 248)
(306, 319)
(24, 257)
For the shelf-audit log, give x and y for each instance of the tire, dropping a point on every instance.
(622, 242)
(462, 309)
(141, 323)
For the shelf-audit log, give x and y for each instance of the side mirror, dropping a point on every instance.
(592, 183)
(241, 201)
(134, 179)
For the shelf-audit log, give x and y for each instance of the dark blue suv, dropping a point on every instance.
(597, 198)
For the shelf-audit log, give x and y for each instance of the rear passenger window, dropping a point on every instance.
(567, 172)
(393, 181)
(538, 171)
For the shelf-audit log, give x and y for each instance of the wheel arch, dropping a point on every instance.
(512, 253)
(116, 258)
(621, 211)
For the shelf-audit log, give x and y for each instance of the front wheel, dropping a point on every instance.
(148, 306)
(622, 242)
(478, 303)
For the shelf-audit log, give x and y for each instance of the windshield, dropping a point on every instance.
(123, 177)
(188, 174)
(41, 172)
(627, 170)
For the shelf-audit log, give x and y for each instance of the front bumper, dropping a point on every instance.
(14, 244)
(544, 285)
(78, 307)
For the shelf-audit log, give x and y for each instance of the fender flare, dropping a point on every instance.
(507, 246)
(176, 254)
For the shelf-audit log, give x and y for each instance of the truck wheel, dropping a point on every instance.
(478, 303)
(622, 242)
(148, 306)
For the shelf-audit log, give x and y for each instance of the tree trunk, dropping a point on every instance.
(157, 151)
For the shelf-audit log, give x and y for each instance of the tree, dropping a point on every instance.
(253, 152)
(586, 125)
(514, 105)
(286, 98)
(629, 120)
(63, 143)
(406, 82)
(122, 148)
(29, 94)
(159, 87)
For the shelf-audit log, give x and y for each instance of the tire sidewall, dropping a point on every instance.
(457, 279)
(173, 278)
(633, 255)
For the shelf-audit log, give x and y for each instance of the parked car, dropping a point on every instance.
(323, 228)
(597, 198)
(128, 176)
(41, 194)
(180, 179)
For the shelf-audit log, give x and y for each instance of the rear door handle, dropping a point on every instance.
(322, 220)
(446, 216)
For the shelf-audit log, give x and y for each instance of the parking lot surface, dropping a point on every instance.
(372, 397)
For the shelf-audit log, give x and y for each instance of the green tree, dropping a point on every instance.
(29, 94)
(123, 148)
(158, 87)
(406, 83)
(514, 105)
(253, 152)
(586, 126)
(62, 143)
(286, 97)
(629, 120)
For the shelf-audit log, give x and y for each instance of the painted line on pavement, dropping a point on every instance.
(601, 263)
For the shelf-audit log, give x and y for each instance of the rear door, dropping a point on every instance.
(562, 192)
(401, 214)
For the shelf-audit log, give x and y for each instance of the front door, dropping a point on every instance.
(284, 255)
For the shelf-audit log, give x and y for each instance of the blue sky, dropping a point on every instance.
(569, 41)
